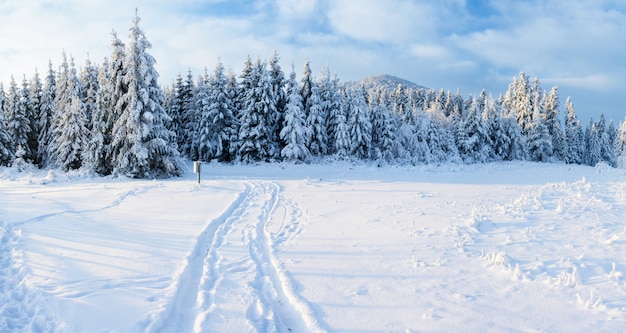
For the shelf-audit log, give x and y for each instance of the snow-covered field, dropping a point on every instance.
(294, 248)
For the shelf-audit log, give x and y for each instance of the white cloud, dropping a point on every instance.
(395, 21)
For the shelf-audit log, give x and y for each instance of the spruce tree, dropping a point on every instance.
(88, 88)
(573, 135)
(342, 140)
(473, 139)
(254, 131)
(295, 131)
(216, 117)
(73, 135)
(17, 122)
(46, 117)
(539, 139)
(620, 145)
(551, 112)
(593, 149)
(27, 108)
(316, 122)
(35, 94)
(278, 82)
(359, 124)
(142, 147)
(6, 143)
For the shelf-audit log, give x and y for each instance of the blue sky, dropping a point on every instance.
(472, 45)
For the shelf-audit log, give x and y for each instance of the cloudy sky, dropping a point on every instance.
(468, 44)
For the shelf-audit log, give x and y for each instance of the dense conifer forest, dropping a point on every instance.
(114, 118)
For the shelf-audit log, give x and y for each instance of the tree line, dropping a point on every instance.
(114, 118)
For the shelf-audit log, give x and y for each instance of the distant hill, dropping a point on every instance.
(388, 81)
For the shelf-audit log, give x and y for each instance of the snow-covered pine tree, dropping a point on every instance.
(316, 122)
(88, 88)
(17, 122)
(216, 117)
(359, 124)
(342, 132)
(374, 103)
(107, 108)
(330, 99)
(295, 131)
(593, 149)
(400, 105)
(518, 101)
(35, 93)
(174, 109)
(500, 141)
(620, 146)
(473, 141)
(307, 84)
(440, 140)
(67, 86)
(232, 93)
(254, 132)
(46, 117)
(26, 104)
(612, 136)
(96, 150)
(73, 135)
(607, 153)
(573, 135)
(539, 138)
(189, 118)
(277, 79)
(551, 112)
(142, 147)
(6, 143)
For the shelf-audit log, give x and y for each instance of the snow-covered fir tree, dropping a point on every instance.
(573, 135)
(522, 102)
(307, 85)
(73, 135)
(330, 98)
(88, 79)
(142, 146)
(35, 93)
(189, 118)
(17, 122)
(216, 117)
(593, 149)
(620, 146)
(551, 115)
(316, 122)
(278, 82)
(6, 143)
(233, 93)
(295, 131)
(342, 140)
(500, 142)
(472, 138)
(539, 138)
(605, 140)
(254, 132)
(27, 106)
(46, 116)
(359, 124)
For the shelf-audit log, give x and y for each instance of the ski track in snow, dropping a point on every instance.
(20, 309)
(118, 201)
(234, 266)
(520, 239)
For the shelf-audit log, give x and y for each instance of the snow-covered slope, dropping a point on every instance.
(312, 248)
(387, 81)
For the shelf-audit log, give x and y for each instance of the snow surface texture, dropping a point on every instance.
(312, 248)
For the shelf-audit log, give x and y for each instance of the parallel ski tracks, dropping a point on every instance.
(233, 280)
